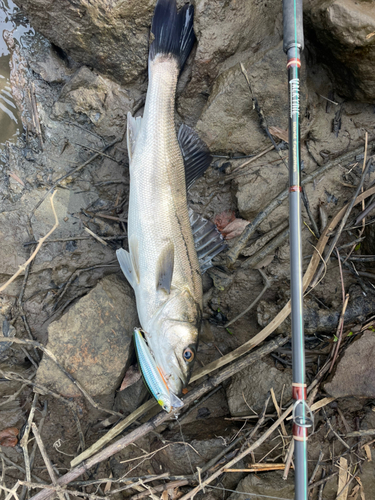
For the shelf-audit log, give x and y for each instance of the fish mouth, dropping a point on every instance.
(172, 373)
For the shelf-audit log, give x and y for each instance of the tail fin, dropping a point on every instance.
(173, 31)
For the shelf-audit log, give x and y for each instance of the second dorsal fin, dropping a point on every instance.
(195, 153)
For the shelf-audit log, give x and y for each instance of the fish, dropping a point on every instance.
(162, 264)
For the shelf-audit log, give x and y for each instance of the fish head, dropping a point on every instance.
(174, 348)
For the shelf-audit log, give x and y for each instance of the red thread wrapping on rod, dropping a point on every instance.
(299, 433)
(299, 392)
(294, 62)
(295, 189)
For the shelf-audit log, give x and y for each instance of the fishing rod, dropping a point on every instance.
(293, 46)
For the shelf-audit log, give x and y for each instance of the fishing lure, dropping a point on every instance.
(152, 375)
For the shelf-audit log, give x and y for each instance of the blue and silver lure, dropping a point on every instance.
(153, 376)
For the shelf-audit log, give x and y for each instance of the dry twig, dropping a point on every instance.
(46, 459)
(341, 226)
(25, 438)
(267, 284)
(205, 387)
(250, 229)
(32, 256)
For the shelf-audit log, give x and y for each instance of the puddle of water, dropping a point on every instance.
(10, 122)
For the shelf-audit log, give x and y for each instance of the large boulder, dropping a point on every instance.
(227, 32)
(229, 121)
(262, 485)
(92, 341)
(343, 31)
(90, 98)
(248, 389)
(111, 37)
(355, 373)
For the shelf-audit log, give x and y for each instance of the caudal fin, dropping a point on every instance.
(172, 31)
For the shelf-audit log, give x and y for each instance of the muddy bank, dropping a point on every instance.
(74, 82)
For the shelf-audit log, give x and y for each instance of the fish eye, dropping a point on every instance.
(188, 355)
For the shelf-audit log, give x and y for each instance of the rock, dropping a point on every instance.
(132, 397)
(20, 82)
(355, 372)
(46, 62)
(92, 340)
(202, 440)
(100, 101)
(268, 484)
(368, 478)
(248, 389)
(319, 319)
(229, 122)
(111, 37)
(343, 32)
(227, 32)
(250, 193)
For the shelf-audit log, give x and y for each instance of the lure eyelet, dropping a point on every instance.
(188, 355)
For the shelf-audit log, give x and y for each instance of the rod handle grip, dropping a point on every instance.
(292, 24)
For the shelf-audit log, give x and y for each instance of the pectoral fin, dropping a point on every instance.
(133, 127)
(195, 153)
(164, 269)
(126, 265)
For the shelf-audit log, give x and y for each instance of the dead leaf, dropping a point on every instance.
(279, 133)
(175, 494)
(131, 377)
(370, 35)
(355, 492)
(8, 437)
(362, 490)
(222, 220)
(264, 262)
(229, 225)
(368, 452)
(165, 495)
(16, 178)
(234, 228)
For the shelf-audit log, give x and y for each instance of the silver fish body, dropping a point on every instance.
(158, 224)
(160, 237)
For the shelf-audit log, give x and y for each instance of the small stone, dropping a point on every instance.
(355, 372)
(249, 388)
(91, 341)
(271, 485)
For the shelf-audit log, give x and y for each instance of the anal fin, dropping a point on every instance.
(133, 127)
(195, 153)
(207, 240)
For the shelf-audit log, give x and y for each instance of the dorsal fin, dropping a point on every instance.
(207, 240)
(164, 269)
(133, 127)
(195, 153)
